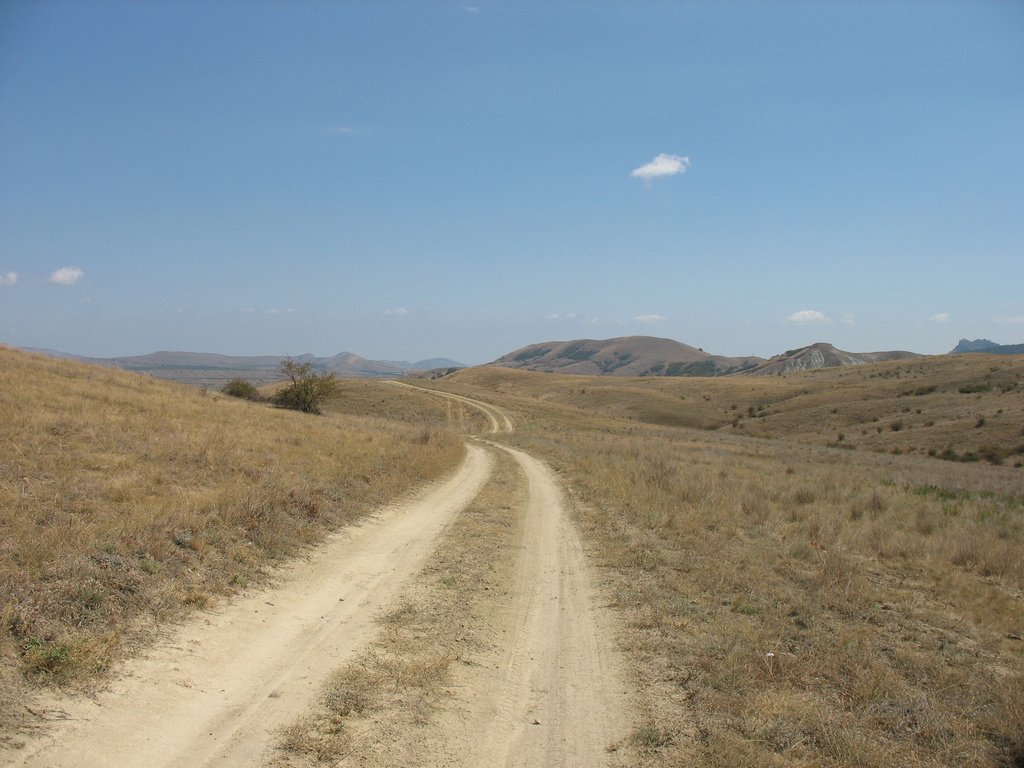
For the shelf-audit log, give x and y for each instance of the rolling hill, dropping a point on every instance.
(821, 355)
(625, 356)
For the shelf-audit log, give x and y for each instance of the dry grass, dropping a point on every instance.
(788, 603)
(963, 407)
(125, 498)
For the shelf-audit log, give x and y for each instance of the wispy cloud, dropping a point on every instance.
(805, 316)
(849, 320)
(342, 129)
(662, 165)
(66, 276)
(942, 317)
(560, 316)
(279, 311)
(471, 9)
(399, 311)
(1017, 319)
(8, 278)
(651, 319)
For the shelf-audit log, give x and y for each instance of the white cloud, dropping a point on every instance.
(9, 278)
(662, 165)
(808, 316)
(471, 8)
(66, 276)
(342, 129)
(1017, 319)
(942, 317)
(650, 319)
(849, 320)
(399, 311)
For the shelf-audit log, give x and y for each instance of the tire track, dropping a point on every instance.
(499, 418)
(555, 697)
(557, 700)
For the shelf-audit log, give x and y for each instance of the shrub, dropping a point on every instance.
(243, 389)
(308, 391)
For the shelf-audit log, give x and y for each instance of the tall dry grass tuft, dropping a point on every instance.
(124, 498)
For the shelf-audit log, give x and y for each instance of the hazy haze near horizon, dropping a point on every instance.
(409, 180)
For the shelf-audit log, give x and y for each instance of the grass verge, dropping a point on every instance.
(126, 500)
(802, 606)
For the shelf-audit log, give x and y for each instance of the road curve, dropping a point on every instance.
(554, 697)
(499, 418)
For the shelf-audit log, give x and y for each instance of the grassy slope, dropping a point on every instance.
(125, 498)
(949, 405)
(789, 603)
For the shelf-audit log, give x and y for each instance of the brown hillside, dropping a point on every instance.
(820, 355)
(966, 407)
(125, 499)
(625, 356)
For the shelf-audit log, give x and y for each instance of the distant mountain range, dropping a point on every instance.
(648, 356)
(988, 347)
(624, 356)
(212, 370)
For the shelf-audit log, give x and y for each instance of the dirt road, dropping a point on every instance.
(219, 689)
(556, 699)
(499, 419)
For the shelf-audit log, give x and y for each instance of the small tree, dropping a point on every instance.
(308, 390)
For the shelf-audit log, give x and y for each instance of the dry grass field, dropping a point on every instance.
(126, 500)
(814, 569)
(962, 407)
(788, 601)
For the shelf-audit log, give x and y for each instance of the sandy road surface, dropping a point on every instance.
(214, 694)
(499, 418)
(556, 697)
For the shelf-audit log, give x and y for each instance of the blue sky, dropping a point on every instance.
(406, 180)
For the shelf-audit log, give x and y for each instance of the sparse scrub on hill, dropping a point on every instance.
(124, 499)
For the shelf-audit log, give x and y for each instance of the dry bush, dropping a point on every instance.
(124, 497)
